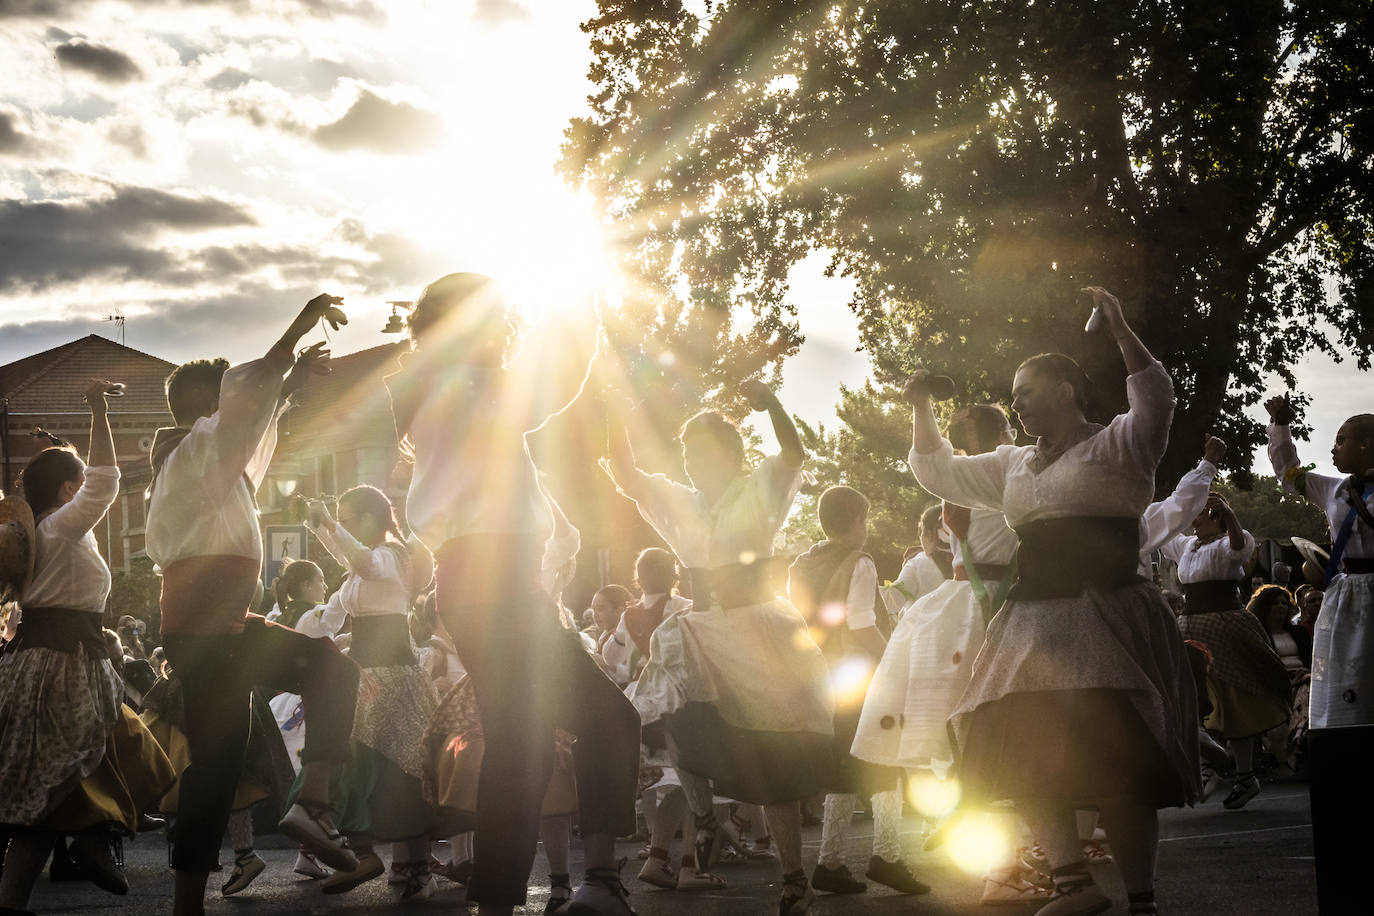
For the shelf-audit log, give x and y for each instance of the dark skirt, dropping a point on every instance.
(757, 767)
(850, 775)
(1072, 747)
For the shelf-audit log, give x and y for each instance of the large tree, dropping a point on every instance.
(972, 164)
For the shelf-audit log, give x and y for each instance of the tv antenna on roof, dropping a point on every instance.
(119, 320)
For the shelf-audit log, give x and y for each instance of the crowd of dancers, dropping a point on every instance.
(1024, 654)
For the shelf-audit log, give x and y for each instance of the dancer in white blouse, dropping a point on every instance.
(463, 403)
(1081, 694)
(61, 766)
(1341, 740)
(739, 686)
(1246, 682)
(385, 792)
(929, 659)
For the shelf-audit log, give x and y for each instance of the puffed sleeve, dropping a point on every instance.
(972, 481)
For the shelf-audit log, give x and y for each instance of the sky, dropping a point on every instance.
(202, 169)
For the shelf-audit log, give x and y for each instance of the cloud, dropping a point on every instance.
(380, 125)
(13, 140)
(131, 136)
(107, 236)
(497, 12)
(229, 78)
(104, 63)
(321, 9)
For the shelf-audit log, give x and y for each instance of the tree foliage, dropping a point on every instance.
(972, 164)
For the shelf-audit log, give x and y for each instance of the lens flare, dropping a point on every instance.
(978, 842)
(932, 796)
(831, 614)
(849, 679)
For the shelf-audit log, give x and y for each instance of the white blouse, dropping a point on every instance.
(201, 505)
(1171, 516)
(1327, 492)
(473, 470)
(989, 539)
(379, 585)
(919, 576)
(68, 569)
(739, 528)
(1208, 562)
(1111, 473)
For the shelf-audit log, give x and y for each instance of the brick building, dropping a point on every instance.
(46, 390)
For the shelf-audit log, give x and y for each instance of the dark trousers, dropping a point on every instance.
(217, 675)
(1342, 812)
(530, 675)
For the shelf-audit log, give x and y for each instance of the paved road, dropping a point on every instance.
(1255, 862)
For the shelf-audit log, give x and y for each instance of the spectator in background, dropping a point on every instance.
(1309, 605)
(1293, 644)
(608, 606)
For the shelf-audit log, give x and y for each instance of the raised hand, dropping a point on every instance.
(917, 387)
(1214, 449)
(759, 396)
(1281, 412)
(98, 389)
(313, 360)
(1109, 304)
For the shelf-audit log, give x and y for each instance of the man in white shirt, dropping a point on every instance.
(202, 533)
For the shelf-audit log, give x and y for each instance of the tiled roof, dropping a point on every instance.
(53, 381)
(351, 401)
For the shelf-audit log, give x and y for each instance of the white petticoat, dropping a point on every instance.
(1343, 655)
(918, 681)
(756, 664)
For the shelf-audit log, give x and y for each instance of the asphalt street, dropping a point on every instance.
(1256, 861)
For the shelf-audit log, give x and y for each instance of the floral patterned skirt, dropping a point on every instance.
(58, 712)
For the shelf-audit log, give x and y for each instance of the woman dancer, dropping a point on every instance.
(929, 659)
(741, 689)
(475, 499)
(73, 759)
(382, 793)
(1081, 695)
(1246, 682)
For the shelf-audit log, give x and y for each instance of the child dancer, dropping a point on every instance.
(1246, 683)
(741, 689)
(383, 792)
(929, 661)
(202, 532)
(1341, 711)
(835, 585)
(475, 499)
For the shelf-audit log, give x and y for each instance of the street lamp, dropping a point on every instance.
(287, 481)
(395, 324)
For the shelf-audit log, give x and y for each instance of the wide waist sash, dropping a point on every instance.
(1357, 566)
(58, 628)
(1061, 557)
(1210, 596)
(381, 639)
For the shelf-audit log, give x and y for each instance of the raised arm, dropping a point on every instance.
(1163, 521)
(762, 398)
(102, 450)
(1132, 350)
(344, 547)
(98, 493)
(975, 481)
